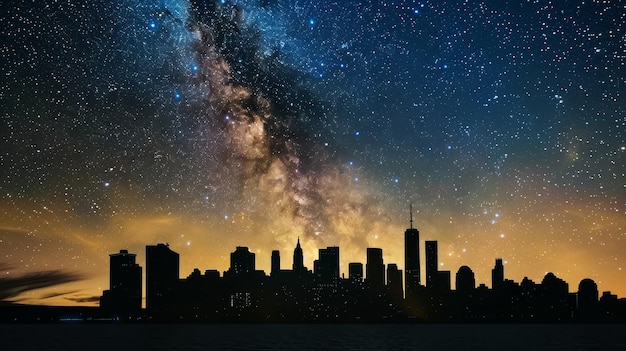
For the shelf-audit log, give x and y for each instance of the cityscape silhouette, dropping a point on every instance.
(245, 294)
(301, 295)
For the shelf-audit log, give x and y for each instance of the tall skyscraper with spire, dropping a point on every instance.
(298, 258)
(411, 257)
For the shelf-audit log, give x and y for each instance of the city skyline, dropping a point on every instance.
(374, 255)
(308, 261)
(326, 272)
(244, 293)
(215, 124)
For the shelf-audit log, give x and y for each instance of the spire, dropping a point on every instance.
(298, 260)
(411, 214)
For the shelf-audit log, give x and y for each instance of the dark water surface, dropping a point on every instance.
(313, 337)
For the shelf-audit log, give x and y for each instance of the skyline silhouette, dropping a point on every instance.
(372, 292)
(246, 294)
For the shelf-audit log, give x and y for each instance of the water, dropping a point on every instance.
(312, 337)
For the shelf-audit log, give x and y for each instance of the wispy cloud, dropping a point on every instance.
(57, 294)
(84, 299)
(13, 286)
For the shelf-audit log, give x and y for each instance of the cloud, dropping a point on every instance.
(11, 230)
(5, 266)
(84, 299)
(13, 286)
(56, 294)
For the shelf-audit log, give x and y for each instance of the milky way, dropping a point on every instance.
(215, 124)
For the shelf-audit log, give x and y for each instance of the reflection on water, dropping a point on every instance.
(313, 337)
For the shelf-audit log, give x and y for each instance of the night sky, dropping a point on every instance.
(209, 125)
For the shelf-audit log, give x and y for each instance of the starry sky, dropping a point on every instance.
(212, 124)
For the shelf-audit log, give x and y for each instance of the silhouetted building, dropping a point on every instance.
(355, 271)
(275, 263)
(608, 297)
(394, 281)
(375, 268)
(411, 258)
(432, 263)
(497, 275)
(554, 301)
(124, 294)
(162, 267)
(587, 297)
(298, 259)
(465, 281)
(443, 281)
(327, 266)
(554, 285)
(242, 261)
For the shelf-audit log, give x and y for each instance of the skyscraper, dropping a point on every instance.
(162, 267)
(375, 268)
(443, 281)
(432, 263)
(587, 296)
(411, 258)
(124, 273)
(394, 281)
(242, 261)
(355, 271)
(298, 259)
(497, 275)
(465, 281)
(327, 266)
(275, 263)
(124, 294)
